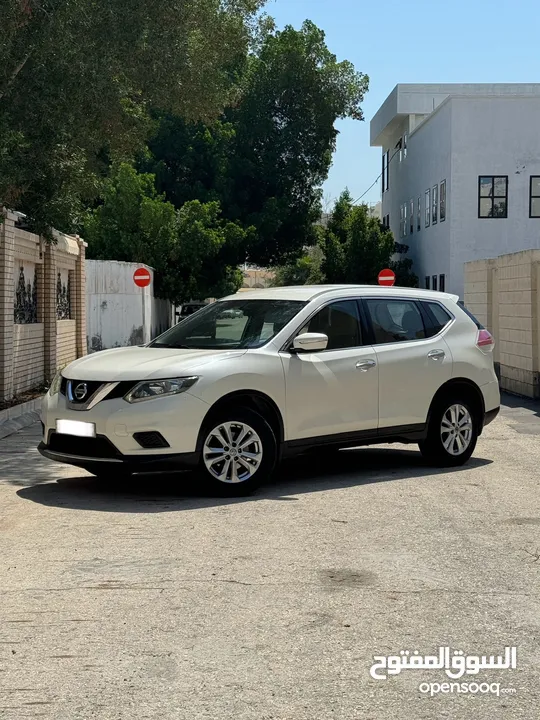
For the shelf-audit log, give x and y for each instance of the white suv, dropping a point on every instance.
(263, 374)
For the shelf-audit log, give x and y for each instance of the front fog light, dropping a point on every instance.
(151, 389)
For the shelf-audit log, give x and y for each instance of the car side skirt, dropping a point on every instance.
(397, 434)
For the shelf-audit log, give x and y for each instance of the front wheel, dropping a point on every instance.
(452, 433)
(239, 451)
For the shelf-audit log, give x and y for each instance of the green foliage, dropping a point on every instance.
(77, 76)
(189, 248)
(354, 248)
(305, 270)
(266, 159)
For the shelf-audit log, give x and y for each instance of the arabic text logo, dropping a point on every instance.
(455, 664)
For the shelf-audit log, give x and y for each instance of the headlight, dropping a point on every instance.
(56, 384)
(150, 389)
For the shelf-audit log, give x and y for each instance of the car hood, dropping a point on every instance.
(143, 363)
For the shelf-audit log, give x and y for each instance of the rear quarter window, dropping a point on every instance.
(475, 320)
(439, 316)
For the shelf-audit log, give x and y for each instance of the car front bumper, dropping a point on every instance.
(177, 419)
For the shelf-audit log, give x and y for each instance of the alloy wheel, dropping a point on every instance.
(456, 429)
(232, 452)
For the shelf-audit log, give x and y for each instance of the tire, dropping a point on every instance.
(244, 467)
(447, 445)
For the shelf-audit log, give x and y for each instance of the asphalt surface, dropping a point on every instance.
(152, 601)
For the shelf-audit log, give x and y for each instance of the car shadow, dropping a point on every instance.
(181, 491)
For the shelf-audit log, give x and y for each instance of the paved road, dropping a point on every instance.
(154, 602)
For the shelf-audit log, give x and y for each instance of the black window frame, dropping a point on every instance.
(442, 282)
(370, 335)
(427, 282)
(419, 215)
(411, 219)
(427, 209)
(492, 197)
(434, 204)
(442, 202)
(385, 170)
(531, 196)
(434, 283)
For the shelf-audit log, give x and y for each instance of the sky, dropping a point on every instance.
(414, 41)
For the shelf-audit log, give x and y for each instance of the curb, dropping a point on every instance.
(19, 416)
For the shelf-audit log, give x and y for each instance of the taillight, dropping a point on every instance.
(485, 340)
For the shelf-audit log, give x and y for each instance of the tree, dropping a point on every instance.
(305, 270)
(77, 77)
(354, 248)
(193, 250)
(267, 157)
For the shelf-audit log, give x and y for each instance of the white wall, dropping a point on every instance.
(428, 162)
(465, 137)
(118, 312)
(493, 136)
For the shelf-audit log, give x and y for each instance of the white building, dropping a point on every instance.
(461, 174)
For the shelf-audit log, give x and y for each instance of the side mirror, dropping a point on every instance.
(310, 342)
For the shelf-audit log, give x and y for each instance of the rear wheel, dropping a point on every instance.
(452, 433)
(239, 451)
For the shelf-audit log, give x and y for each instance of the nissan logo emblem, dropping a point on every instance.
(80, 391)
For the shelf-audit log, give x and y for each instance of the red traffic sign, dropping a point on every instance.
(142, 277)
(387, 277)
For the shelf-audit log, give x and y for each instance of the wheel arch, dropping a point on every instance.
(252, 399)
(466, 387)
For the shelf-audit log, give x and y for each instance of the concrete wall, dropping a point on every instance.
(34, 339)
(503, 294)
(119, 313)
(28, 357)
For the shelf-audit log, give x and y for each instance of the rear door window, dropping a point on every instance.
(395, 320)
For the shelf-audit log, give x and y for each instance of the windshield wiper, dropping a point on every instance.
(173, 347)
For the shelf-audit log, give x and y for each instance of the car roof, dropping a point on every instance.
(306, 293)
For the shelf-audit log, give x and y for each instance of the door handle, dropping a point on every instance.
(436, 354)
(365, 365)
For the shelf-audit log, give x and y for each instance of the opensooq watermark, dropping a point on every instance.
(455, 664)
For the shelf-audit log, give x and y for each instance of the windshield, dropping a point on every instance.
(231, 324)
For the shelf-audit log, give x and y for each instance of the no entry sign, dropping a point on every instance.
(387, 277)
(142, 277)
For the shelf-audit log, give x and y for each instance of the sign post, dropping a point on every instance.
(387, 277)
(142, 277)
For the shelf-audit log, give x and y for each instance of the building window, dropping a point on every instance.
(434, 282)
(534, 197)
(427, 282)
(405, 227)
(384, 172)
(428, 208)
(493, 196)
(405, 140)
(401, 221)
(442, 202)
(442, 283)
(388, 222)
(419, 215)
(399, 147)
(434, 204)
(411, 219)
